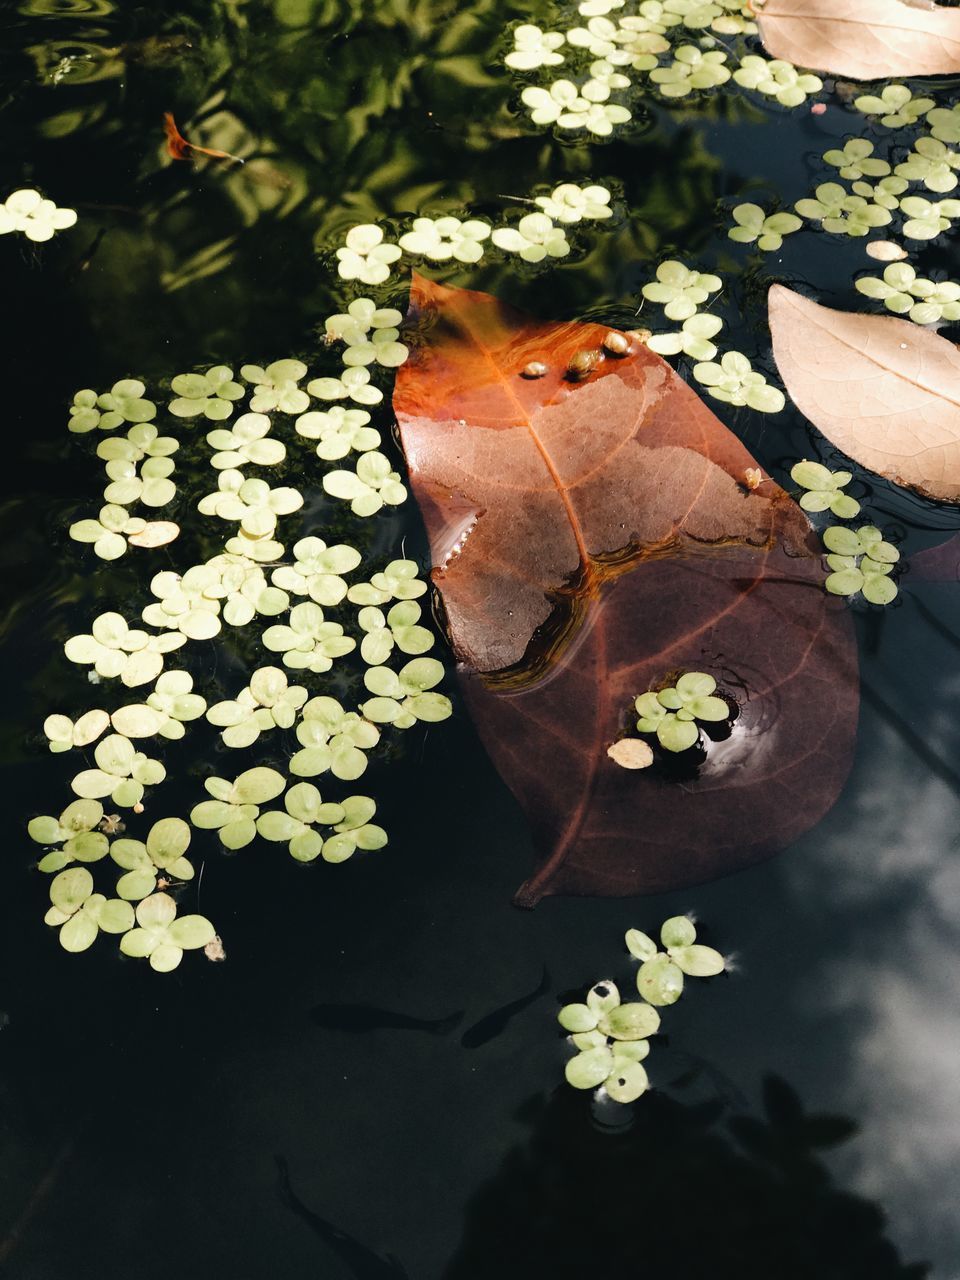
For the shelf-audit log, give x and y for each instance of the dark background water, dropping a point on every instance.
(202, 1123)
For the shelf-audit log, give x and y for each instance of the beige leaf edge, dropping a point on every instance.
(884, 391)
(862, 39)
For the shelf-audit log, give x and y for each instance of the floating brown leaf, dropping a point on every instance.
(885, 391)
(592, 535)
(863, 39)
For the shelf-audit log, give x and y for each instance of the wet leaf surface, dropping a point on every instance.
(863, 39)
(885, 391)
(591, 537)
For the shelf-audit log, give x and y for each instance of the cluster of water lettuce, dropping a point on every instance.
(311, 605)
(681, 292)
(672, 712)
(29, 213)
(673, 48)
(368, 256)
(861, 561)
(612, 1038)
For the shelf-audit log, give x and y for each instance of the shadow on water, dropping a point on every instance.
(688, 1191)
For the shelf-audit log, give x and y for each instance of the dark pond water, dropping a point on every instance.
(202, 1124)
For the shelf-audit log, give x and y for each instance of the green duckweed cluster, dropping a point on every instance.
(305, 608)
(672, 712)
(860, 561)
(612, 1038)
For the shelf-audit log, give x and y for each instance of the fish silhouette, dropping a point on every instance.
(490, 1026)
(363, 1262)
(367, 1017)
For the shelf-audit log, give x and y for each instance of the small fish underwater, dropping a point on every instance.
(363, 1262)
(367, 1017)
(490, 1026)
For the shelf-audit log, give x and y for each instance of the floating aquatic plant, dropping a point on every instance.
(671, 713)
(405, 696)
(124, 402)
(122, 773)
(114, 650)
(896, 106)
(585, 107)
(568, 203)
(679, 290)
(210, 395)
(176, 703)
(398, 580)
(824, 489)
(904, 292)
(925, 219)
(856, 160)
(305, 810)
(308, 641)
(251, 502)
(735, 381)
(932, 163)
(612, 1041)
(842, 213)
(332, 739)
(944, 123)
(612, 1038)
(338, 431)
(267, 702)
(534, 238)
(275, 387)
(80, 914)
(161, 936)
(777, 79)
(440, 239)
(693, 339)
(398, 627)
(767, 230)
(235, 806)
(38, 219)
(353, 384)
(247, 441)
(691, 69)
(861, 562)
(316, 571)
(367, 489)
(661, 974)
(366, 256)
(143, 861)
(110, 532)
(534, 48)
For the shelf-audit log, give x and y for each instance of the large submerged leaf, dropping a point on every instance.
(591, 537)
(863, 39)
(885, 391)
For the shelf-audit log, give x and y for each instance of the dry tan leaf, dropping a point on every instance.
(886, 250)
(157, 533)
(631, 753)
(885, 391)
(863, 39)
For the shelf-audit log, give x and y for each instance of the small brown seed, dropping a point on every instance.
(582, 364)
(641, 335)
(535, 369)
(616, 344)
(753, 477)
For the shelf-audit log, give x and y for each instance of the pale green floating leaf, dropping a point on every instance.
(678, 931)
(627, 1081)
(590, 1069)
(660, 981)
(640, 945)
(630, 1022)
(697, 961)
